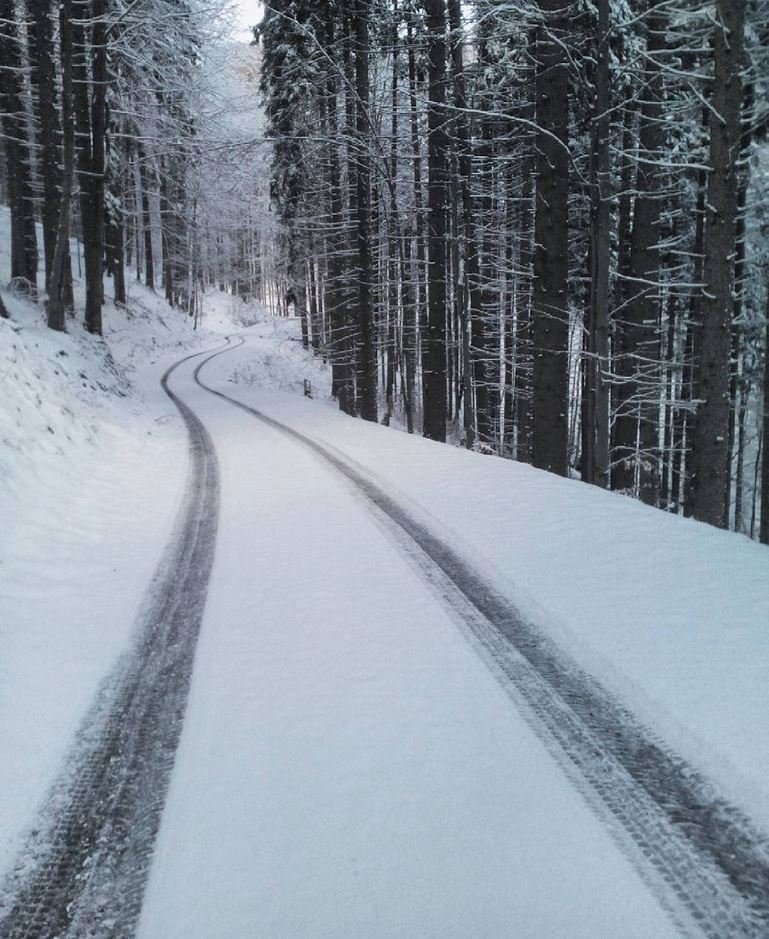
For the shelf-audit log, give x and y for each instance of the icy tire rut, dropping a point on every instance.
(706, 862)
(84, 868)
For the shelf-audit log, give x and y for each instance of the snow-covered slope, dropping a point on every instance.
(92, 461)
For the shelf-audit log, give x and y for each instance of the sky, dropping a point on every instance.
(248, 13)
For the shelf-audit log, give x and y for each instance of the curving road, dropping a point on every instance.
(85, 869)
(702, 852)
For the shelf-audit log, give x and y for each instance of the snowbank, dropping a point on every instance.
(92, 463)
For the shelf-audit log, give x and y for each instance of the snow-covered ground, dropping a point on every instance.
(348, 765)
(91, 470)
(669, 612)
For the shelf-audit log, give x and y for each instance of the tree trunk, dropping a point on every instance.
(468, 289)
(595, 462)
(90, 116)
(414, 308)
(41, 43)
(368, 367)
(550, 320)
(58, 282)
(13, 126)
(149, 256)
(434, 342)
(637, 422)
(711, 431)
(341, 378)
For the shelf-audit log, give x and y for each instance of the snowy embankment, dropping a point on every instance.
(92, 464)
(670, 613)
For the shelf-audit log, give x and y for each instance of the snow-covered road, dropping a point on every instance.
(348, 764)
(378, 743)
(388, 787)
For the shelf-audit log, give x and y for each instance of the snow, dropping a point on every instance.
(669, 612)
(90, 478)
(348, 764)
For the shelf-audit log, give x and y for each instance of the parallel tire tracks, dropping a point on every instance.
(84, 868)
(705, 860)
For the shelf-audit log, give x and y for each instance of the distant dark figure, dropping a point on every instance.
(290, 300)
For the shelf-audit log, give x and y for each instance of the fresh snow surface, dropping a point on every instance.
(92, 464)
(348, 765)
(669, 612)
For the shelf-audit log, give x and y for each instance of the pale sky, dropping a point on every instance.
(248, 14)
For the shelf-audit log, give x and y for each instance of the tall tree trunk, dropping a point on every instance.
(58, 286)
(595, 462)
(711, 432)
(469, 288)
(434, 342)
(637, 421)
(550, 320)
(41, 47)
(414, 308)
(341, 380)
(90, 116)
(16, 143)
(149, 254)
(368, 365)
(167, 228)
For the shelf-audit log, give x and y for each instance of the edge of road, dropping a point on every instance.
(84, 865)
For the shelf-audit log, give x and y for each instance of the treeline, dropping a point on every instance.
(105, 122)
(538, 229)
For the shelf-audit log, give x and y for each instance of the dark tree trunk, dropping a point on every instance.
(115, 252)
(13, 124)
(636, 427)
(149, 256)
(550, 320)
(341, 378)
(595, 457)
(90, 116)
(167, 222)
(711, 432)
(60, 282)
(395, 277)
(413, 301)
(41, 43)
(434, 341)
(468, 290)
(368, 369)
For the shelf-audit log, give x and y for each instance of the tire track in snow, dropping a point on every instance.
(85, 866)
(704, 859)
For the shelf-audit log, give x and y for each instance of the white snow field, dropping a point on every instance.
(348, 765)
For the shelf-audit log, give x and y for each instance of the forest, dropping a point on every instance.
(534, 229)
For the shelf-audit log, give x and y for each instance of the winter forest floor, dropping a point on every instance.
(434, 693)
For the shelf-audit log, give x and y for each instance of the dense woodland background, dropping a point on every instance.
(536, 228)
